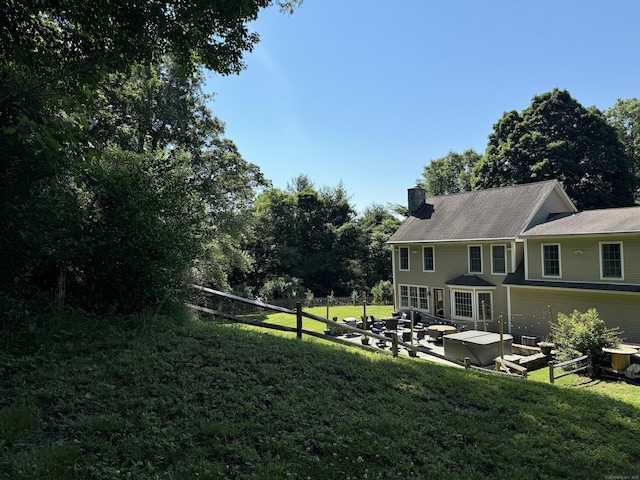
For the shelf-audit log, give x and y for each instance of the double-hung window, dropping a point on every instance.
(551, 260)
(463, 305)
(415, 296)
(498, 259)
(475, 258)
(404, 258)
(611, 266)
(428, 259)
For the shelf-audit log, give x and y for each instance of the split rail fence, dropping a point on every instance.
(396, 343)
(576, 365)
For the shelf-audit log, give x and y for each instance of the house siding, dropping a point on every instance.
(450, 261)
(523, 215)
(580, 258)
(555, 203)
(532, 308)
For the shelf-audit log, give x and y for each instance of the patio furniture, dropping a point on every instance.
(436, 332)
(620, 357)
(391, 323)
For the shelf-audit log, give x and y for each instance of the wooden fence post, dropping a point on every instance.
(394, 344)
(551, 377)
(298, 320)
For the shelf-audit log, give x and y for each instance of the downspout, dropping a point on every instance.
(509, 308)
(525, 259)
(393, 273)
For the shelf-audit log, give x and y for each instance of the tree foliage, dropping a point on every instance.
(449, 174)
(76, 37)
(624, 116)
(305, 234)
(383, 292)
(315, 236)
(377, 225)
(115, 180)
(557, 138)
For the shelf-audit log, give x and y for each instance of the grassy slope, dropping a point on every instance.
(216, 401)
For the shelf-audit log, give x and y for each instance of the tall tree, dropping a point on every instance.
(57, 182)
(624, 116)
(299, 183)
(308, 235)
(377, 224)
(449, 174)
(557, 138)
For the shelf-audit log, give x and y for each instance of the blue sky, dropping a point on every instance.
(367, 92)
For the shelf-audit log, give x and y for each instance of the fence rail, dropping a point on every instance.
(395, 342)
(586, 366)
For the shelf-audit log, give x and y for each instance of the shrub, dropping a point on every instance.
(308, 296)
(285, 288)
(583, 333)
(383, 292)
(354, 297)
(140, 233)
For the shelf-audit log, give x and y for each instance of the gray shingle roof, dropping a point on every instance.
(610, 220)
(518, 278)
(469, 281)
(499, 213)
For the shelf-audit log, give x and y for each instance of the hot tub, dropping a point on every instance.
(481, 347)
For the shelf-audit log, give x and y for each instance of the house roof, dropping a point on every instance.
(517, 278)
(499, 213)
(590, 222)
(469, 281)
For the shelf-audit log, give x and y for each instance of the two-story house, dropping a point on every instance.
(520, 254)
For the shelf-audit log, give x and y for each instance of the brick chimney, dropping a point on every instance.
(417, 197)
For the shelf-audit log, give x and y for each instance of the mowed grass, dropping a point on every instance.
(211, 400)
(619, 390)
(338, 312)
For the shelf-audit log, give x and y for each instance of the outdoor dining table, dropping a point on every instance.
(438, 331)
(620, 357)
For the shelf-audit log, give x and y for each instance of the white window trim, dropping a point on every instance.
(504, 247)
(489, 315)
(469, 259)
(559, 260)
(433, 250)
(475, 305)
(602, 277)
(454, 316)
(418, 287)
(400, 259)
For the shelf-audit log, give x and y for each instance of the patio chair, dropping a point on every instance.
(391, 323)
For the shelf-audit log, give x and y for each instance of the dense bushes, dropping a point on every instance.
(583, 333)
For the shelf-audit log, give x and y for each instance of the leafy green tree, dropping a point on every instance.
(624, 116)
(449, 174)
(299, 183)
(305, 234)
(557, 138)
(68, 37)
(58, 180)
(140, 233)
(163, 108)
(377, 225)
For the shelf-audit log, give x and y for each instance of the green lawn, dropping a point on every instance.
(339, 312)
(215, 401)
(620, 390)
